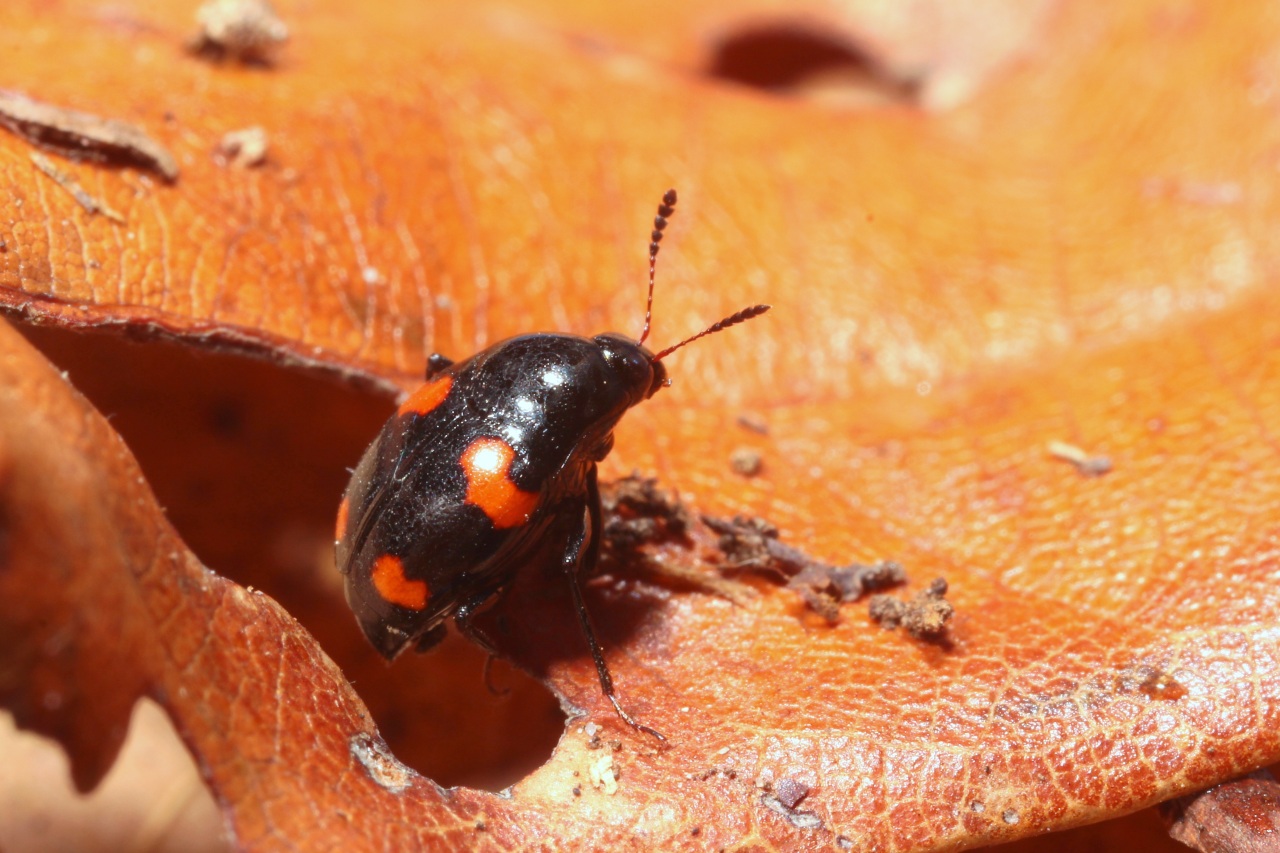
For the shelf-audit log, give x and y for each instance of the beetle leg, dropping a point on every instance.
(488, 678)
(582, 553)
(428, 640)
(436, 363)
(462, 618)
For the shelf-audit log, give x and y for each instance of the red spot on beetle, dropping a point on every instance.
(426, 398)
(340, 529)
(390, 582)
(487, 464)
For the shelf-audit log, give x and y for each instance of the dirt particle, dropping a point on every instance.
(746, 461)
(602, 774)
(790, 792)
(83, 136)
(925, 617)
(247, 31)
(242, 149)
(1151, 681)
(753, 422)
(1163, 686)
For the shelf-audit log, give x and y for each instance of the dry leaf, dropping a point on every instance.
(1078, 253)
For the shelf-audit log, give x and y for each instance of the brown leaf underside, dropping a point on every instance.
(1081, 255)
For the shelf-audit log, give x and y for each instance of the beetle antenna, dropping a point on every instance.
(665, 210)
(732, 320)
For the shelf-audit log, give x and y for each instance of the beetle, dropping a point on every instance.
(483, 465)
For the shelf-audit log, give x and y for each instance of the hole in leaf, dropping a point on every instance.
(249, 461)
(789, 59)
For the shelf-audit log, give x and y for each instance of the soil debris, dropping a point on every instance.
(925, 617)
(752, 544)
(638, 513)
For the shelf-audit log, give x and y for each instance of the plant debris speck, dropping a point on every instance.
(1088, 466)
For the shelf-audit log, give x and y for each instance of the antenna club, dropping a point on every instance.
(732, 320)
(665, 209)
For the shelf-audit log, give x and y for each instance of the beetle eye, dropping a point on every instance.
(631, 363)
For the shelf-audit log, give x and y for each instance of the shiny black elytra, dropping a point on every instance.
(483, 463)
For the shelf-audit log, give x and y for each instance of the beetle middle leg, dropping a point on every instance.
(582, 552)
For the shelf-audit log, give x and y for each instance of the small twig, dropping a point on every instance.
(1089, 466)
(72, 186)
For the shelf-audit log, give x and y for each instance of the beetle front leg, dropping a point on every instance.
(582, 553)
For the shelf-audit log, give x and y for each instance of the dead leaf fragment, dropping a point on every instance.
(958, 284)
(1240, 816)
(83, 136)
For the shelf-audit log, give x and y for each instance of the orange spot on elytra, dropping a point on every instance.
(426, 398)
(390, 582)
(341, 528)
(487, 464)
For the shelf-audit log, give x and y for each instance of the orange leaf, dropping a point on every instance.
(1054, 247)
